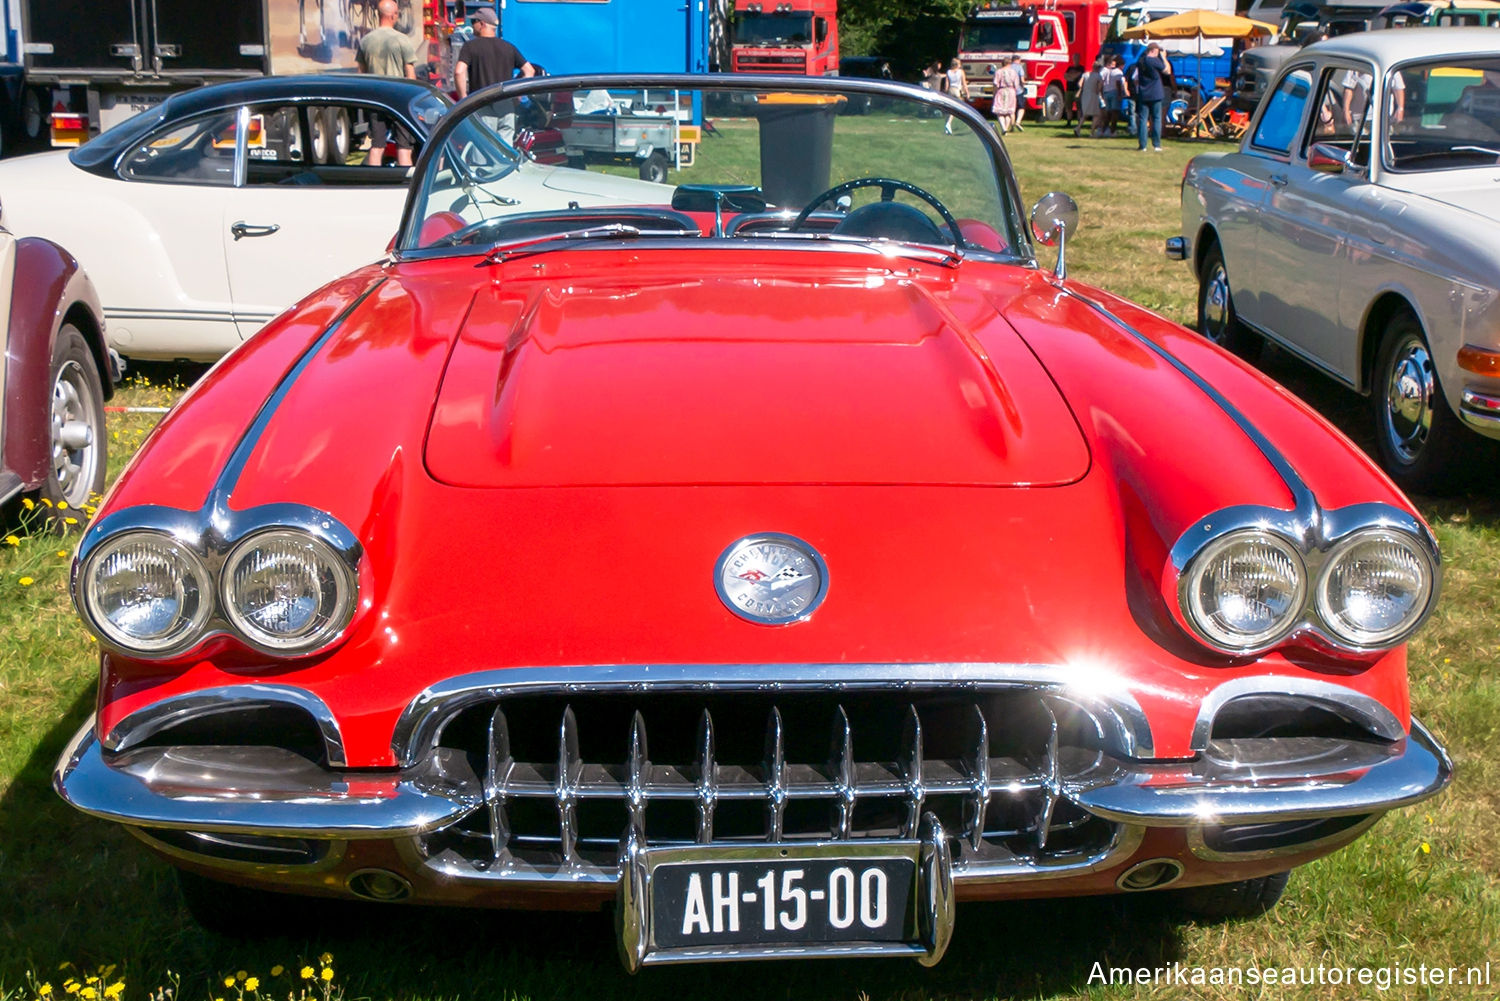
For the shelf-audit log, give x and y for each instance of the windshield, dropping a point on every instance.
(721, 165)
(1443, 114)
(996, 36)
(773, 29)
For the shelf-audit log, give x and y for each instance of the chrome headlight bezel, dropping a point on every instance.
(346, 585)
(211, 537)
(175, 551)
(1199, 619)
(1320, 538)
(1390, 637)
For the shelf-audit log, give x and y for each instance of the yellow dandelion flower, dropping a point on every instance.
(62, 552)
(46, 502)
(11, 540)
(44, 991)
(326, 958)
(28, 503)
(276, 970)
(228, 981)
(241, 975)
(70, 521)
(1426, 848)
(114, 990)
(307, 973)
(252, 983)
(87, 993)
(327, 974)
(91, 980)
(63, 506)
(27, 581)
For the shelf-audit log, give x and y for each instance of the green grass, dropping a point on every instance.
(82, 891)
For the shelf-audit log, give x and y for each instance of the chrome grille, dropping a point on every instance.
(566, 776)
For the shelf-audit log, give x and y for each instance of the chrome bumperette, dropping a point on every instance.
(1176, 248)
(1198, 845)
(1365, 710)
(143, 724)
(1317, 535)
(332, 856)
(1480, 410)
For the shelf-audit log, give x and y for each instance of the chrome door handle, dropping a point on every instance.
(1279, 180)
(243, 228)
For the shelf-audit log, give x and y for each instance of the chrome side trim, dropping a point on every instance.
(1369, 711)
(1104, 695)
(1210, 792)
(1481, 411)
(145, 723)
(1324, 844)
(259, 791)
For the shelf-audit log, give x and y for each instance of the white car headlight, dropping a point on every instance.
(146, 592)
(287, 591)
(1375, 588)
(1244, 591)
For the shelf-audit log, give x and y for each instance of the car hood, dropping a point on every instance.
(1481, 200)
(739, 380)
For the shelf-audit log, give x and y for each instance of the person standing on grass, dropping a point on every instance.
(387, 52)
(1115, 92)
(1151, 73)
(1091, 98)
(1018, 80)
(1005, 98)
(487, 60)
(958, 89)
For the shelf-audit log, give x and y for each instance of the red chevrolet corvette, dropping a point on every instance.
(780, 560)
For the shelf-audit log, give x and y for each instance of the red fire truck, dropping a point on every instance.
(776, 36)
(1055, 39)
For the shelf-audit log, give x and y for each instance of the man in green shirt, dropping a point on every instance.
(387, 52)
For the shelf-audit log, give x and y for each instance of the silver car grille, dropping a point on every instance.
(566, 777)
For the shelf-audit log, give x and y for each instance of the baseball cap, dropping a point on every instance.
(486, 15)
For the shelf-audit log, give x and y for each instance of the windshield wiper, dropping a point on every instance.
(523, 246)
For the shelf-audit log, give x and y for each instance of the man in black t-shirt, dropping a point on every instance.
(488, 59)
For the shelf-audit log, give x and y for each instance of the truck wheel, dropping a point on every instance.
(336, 127)
(654, 168)
(76, 423)
(1217, 319)
(318, 138)
(1246, 899)
(1054, 104)
(33, 118)
(1421, 443)
(577, 162)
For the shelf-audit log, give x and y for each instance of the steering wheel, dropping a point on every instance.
(888, 187)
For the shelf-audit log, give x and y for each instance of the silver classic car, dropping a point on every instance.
(1355, 227)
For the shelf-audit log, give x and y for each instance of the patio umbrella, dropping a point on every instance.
(1200, 24)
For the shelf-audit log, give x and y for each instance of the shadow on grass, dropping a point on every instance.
(81, 890)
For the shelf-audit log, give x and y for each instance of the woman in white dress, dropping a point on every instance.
(958, 89)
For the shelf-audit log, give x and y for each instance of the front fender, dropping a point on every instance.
(50, 289)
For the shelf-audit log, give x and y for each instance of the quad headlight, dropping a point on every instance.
(286, 591)
(147, 592)
(1375, 588)
(162, 585)
(1244, 591)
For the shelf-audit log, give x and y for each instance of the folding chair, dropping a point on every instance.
(1201, 121)
(1235, 127)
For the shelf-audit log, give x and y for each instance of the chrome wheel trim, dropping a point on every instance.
(75, 451)
(1214, 313)
(1410, 389)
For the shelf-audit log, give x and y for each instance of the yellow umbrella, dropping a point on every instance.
(1200, 24)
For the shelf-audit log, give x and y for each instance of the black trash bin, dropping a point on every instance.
(796, 146)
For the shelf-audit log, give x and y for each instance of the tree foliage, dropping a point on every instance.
(910, 33)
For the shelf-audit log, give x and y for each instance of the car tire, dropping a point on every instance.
(1421, 443)
(78, 455)
(1217, 319)
(1054, 103)
(1248, 898)
(654, 168)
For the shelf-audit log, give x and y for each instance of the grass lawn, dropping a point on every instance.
(1422, 887)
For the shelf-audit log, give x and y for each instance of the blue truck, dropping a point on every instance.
(1196, 63)
(646, 36)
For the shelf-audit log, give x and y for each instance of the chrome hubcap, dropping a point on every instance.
(1215, 318)
(1409, 393)
(75, 454)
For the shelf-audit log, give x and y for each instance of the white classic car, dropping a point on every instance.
(203, 218)
(1355, 227)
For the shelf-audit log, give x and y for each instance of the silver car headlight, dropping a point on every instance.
(1375, 588)
(287, 591)
(147, 593)
(1244, 591)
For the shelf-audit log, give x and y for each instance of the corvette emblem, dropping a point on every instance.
(771, 579)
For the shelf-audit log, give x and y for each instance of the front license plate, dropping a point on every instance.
(781, 901)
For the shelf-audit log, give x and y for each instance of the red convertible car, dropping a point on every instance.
(779, 561)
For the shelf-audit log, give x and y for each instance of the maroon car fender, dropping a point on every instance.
(50, 290)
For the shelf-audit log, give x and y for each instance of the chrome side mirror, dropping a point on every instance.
(1326, 158)
(1053, 219)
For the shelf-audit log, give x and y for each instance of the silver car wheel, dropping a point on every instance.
(1216, 312)
(1410, 389)
(75, 452)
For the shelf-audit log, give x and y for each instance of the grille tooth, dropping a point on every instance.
(569, 776)
(1051, 781)
(978, 769)
(841, 770)
(500, 763)
(708, 779)
(775, 776)
(910, 766)
(637, 768)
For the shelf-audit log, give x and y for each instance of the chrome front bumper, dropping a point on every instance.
(271, 792)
